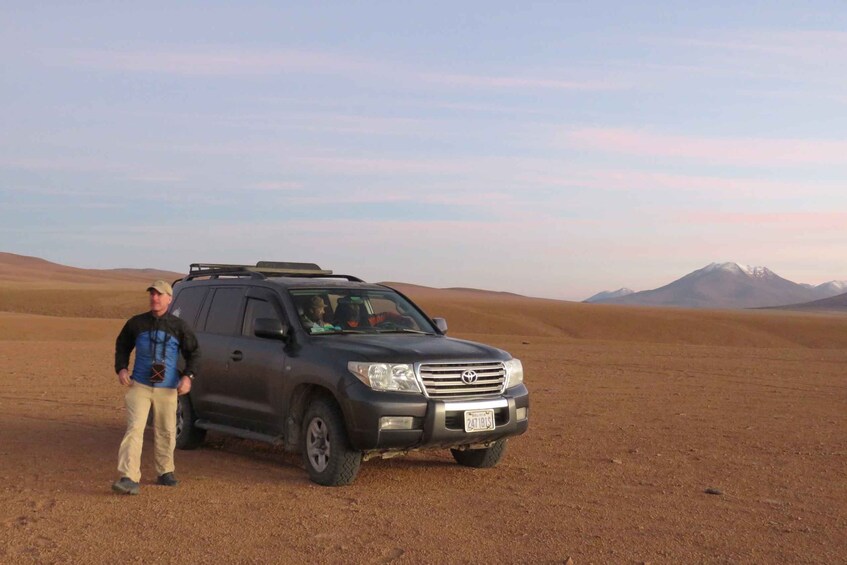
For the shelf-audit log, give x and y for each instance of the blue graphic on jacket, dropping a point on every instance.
(156, 347)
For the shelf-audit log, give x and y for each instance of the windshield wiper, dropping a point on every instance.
(336, 332)
(403, 330)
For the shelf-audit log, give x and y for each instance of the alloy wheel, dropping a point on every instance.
(317, 444)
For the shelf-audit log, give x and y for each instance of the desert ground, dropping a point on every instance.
(656, 435)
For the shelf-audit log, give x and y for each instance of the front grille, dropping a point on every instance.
(444, 380)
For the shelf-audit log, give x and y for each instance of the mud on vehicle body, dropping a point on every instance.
(372, 376)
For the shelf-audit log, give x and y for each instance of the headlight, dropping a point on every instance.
(514, 372)
(386, 376)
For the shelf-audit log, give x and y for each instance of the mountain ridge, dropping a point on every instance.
(728, 285)
(607, 294)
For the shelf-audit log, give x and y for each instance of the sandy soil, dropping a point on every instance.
(635, 414)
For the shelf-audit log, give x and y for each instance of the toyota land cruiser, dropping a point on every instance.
(340, 370)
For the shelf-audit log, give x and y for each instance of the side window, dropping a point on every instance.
(256, 308)
(225, 312)
(187, 304)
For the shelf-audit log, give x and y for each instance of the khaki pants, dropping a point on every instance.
(139, 399)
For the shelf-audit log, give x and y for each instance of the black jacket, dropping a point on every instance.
(157, 340)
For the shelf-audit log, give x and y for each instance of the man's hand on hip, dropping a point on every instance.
(123, 377)
(184, 386)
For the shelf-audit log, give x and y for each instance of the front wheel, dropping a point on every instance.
(480, 458)
(329, 458)
(188, 436)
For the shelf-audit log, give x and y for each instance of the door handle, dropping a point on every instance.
(236, 355)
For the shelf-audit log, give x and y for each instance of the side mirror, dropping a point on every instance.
(441, 324)
(270, 328)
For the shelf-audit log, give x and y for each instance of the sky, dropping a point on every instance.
(552, 149)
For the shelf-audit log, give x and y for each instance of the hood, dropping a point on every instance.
(407, 348)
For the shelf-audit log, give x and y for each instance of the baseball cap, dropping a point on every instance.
(162, 287)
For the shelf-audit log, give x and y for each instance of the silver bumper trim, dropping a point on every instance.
(475, 405)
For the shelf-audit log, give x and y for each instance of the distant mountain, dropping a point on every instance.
(608, 294)
(836, 303)
(729, 285)
(831, 288)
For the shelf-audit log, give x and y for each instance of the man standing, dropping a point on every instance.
(158, 339)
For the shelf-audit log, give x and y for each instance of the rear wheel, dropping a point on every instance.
(480, 458)
(329, 458)
(188, 436)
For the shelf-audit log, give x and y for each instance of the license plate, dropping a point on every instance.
(479, 420)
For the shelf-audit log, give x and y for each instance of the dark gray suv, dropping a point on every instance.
(340, 370)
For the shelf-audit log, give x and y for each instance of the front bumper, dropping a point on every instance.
(435, 423)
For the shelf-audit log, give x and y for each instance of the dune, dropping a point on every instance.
(41, 273)
(35, 286)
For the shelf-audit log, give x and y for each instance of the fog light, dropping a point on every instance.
(520, 413)
(395, 423)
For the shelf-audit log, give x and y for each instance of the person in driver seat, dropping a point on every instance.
(313, 315)
(349, 315)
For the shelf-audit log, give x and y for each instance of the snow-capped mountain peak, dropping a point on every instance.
(728, 285)
(754, 272)
(834, 286)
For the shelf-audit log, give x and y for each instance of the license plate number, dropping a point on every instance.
(479, 420)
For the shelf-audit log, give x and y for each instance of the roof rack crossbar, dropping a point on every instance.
(350, 278)
(216, 273)
(263, 269)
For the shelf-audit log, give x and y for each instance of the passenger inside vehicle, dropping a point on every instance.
(350, 315)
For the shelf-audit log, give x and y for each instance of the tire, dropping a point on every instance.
(480, 458)
(329, 459)
(188, 436)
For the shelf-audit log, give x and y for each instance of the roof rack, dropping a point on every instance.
(262, 270)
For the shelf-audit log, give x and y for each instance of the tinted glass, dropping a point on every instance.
(334, 310)
(225, 313)
(256, 309)
(188, 303)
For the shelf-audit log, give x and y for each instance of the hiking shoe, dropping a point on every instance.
(167, 480)
(125, 486)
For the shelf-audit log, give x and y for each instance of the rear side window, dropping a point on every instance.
(225, 312)
(188, 303)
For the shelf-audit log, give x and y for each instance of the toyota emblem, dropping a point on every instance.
(469, 377)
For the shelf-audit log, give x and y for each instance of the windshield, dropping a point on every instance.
(339, 310)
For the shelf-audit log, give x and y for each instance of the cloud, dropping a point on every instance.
(800, 45)
(517, 82)
(88, 165)
(222, 61)
(371, 125)
(492, 202)
(277, 186)
(155, 178)
(479, 107)
(734, 151)
(806, 221)
(233, 61)
(810, 61)
(61, 163)
(365, 165)
(626, 180)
